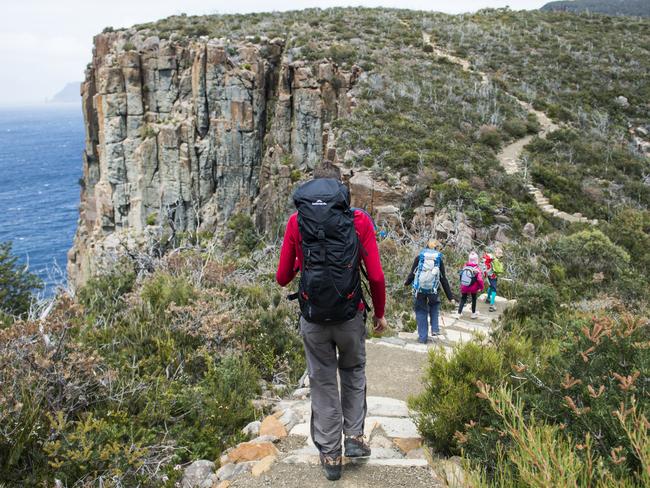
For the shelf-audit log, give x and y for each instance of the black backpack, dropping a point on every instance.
(330, 284)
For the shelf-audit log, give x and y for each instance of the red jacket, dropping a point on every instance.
(291, 258)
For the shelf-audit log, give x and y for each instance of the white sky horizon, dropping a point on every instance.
(44, 45)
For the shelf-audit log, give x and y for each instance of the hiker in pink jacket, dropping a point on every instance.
(471, 283)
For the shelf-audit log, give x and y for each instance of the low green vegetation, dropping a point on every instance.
(566, 368)
(584, 71)
(144, 373)
(16, 285)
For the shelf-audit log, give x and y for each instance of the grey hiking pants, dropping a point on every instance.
(330, 413)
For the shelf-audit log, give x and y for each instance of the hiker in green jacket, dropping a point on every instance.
(493, 269)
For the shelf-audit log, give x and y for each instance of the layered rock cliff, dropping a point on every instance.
(181, 134)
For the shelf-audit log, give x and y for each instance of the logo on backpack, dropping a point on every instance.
(427, 276)
(468, 276)
(330, 281)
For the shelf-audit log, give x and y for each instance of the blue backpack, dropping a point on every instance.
(427, 276)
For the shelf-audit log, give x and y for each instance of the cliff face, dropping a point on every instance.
(182, 134)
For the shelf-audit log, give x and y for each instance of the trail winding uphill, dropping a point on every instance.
(510, 155)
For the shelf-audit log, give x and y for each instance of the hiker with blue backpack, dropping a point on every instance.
(471, 283)
(427, 274)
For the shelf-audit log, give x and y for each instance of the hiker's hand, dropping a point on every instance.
(379, 325)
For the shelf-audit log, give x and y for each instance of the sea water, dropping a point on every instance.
(40, 167)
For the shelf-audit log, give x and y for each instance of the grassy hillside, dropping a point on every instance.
(574, 68)
(158, 363)
(639, 8)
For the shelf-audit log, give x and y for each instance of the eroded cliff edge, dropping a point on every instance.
(182, 134)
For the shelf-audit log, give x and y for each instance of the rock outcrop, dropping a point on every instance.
(181, 134)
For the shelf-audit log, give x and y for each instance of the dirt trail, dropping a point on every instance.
(510, 155)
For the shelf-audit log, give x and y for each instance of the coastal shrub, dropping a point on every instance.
(449, 399)
(583, 387)
(102, 296)
(16, 284)
(163, 289)
(537, 300)
(274, 345)
(515, 128)
(246, 237)
(630, 229)
(540, 454)
(587, 253)
(42, 371)
(490, 136)
(213, 410)
(577, 382)
(532, 124)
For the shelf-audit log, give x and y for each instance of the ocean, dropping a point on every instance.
(40, 167)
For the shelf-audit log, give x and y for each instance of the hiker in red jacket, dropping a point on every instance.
(335, 239)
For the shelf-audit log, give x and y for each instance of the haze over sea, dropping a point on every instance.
(40, 167)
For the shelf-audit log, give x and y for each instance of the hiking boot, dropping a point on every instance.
(493, 308)
(332, 466)
(475, 315)
(356, 447)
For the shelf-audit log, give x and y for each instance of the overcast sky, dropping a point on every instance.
(45, 44)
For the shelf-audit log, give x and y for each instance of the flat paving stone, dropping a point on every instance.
(405, 462)
(394, 426)
(386, 407)
(301, 429)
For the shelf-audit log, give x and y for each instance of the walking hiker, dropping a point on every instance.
(427, 273)
(471, 283)
(493, 269)
(327, 242)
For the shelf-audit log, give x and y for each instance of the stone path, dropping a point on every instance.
(281, 452)
(510, 155)
(455, 330)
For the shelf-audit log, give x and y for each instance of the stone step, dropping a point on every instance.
(313, 459)
(394, 427)
(477, 327)
(459, 336)
(386, 407)
(415, 346)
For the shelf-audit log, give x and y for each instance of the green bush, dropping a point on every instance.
(273, 343)
(532, 124)
(515, 128)
(449, 399)
(540, 454)
(630, 229)
(580, 385)
(16, 284)
(490, 136)
(162, 290)
(589, 252)
(539, 301)
(246, 237)
(102, 296)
